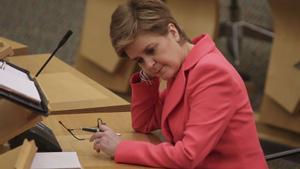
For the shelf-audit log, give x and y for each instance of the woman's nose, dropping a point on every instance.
(149, 63)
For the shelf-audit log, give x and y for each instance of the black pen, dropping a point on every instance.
(94, 130)
(90, 129)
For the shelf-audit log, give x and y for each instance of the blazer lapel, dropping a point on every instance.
(203, 45)
(175, 94)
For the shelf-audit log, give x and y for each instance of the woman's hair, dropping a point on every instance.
(140, 16)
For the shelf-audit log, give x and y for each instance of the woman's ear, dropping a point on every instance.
(173, 32)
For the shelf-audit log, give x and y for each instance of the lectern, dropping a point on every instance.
(22, 102)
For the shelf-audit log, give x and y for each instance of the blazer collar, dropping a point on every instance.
(202, 45)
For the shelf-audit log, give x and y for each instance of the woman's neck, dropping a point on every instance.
(187, 47)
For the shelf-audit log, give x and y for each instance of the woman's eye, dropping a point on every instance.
(150, 51)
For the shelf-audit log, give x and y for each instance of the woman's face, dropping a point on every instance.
(158, 55)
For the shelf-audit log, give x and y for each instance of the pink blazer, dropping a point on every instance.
(204, 114)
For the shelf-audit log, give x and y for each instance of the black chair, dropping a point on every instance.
(282, 154)
(289, 159)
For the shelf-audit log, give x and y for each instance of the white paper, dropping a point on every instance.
(56, 160)
(14, 71)
(18, 82)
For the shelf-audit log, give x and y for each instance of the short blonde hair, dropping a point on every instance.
(140, 16)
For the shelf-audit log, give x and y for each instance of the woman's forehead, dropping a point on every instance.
(142, 40)
(137, 46)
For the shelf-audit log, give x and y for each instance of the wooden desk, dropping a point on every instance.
(18, 48)
(89, 159)
(100, 99)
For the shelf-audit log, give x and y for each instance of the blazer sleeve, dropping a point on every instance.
(211, 96)
(146, 106)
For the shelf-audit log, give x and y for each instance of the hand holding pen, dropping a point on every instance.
(97, 129)
(106, 141)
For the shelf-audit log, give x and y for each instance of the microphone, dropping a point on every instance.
(60, 44)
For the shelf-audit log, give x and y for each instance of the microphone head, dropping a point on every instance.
(65, 38)
(68, 34)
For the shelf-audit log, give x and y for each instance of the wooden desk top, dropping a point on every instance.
(100, 99)
(89, 159)
(18, 48)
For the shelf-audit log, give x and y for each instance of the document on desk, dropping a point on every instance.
(16, 81)
(56, 160)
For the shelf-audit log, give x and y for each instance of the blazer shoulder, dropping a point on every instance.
(214, 68)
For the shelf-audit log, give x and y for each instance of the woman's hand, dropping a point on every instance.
(106, 141)
(147, 74)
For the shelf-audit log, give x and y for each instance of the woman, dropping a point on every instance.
(204, 113)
